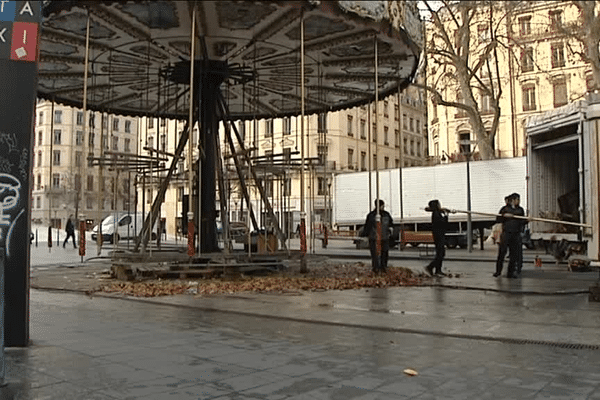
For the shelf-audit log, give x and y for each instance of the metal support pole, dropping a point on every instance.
(2, 303)
(190, 213)
(303, 267)
(469, 224)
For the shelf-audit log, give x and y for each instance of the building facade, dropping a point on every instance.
(347, 141)
(64, 182)
(539, 70)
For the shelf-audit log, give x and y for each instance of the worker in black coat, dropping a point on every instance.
(379, 259)
(439, 225)
(512, 228)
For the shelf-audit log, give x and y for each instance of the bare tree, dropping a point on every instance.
(586, 32)
(462, 56)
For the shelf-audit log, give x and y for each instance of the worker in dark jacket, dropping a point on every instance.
(439, 225)
(511, 231)
(502, 246)
(379, 260)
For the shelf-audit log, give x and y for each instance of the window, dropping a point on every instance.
(163, 142)
(412, 147)
(150, 123)
(242, 129)
(483, 34)
(386, 139)
(287, 187)
(349, 126)
(397, 163)
(163, 121)
(77, 182)
(56, 157)
(39, 159)
(287, 126)
(560, 92)
(350, 158)
(92, 121)
(127, 126)
(418, 126)
(404, 121)
(57, 116)
(79, 138)
(418, 148)
(39, 202)
(363, 161)
(322, 123)
(115, 124)
(529, 97)
(78, 158)
(89, 203)
(412, 125)
(386, 162)
(321, 186)
(91, 139)
(105, 142)
(57, 136)
(434, 111)
(460, 113)
(269, 128)
(287, 155)
(374, 132)
(374, 166)
(485, 103)
(149, 196)
(558, 55)
(90, 183)
(79, 118)
(385, 109)
(104, 121)
(180, 193)
(127, 145)
(39, 182)
(589, 82)
(115, 143)
(40, 136)
(363, 125)
(55, 181)
(464, 142)
(527, 59)
(150, 142)
(322, 153)
(396, 138)
(525, 26)
(41, 121)
(405, 146)
(555, 20)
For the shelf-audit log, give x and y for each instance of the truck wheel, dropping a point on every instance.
(153, 236)
(451, 243)
(414, 244)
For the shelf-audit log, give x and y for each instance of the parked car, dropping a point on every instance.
(122, 224)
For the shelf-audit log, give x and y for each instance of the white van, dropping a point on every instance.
(126, 225)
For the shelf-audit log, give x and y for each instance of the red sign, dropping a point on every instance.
(24, 41)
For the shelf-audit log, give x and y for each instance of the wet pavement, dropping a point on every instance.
(471, 337)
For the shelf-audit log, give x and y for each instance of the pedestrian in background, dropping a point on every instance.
(379, 262)
(502, 246)
(439, 226)
(70, 229)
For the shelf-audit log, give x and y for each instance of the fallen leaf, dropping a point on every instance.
(411, 372)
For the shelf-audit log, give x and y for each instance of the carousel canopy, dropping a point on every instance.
(139, 54)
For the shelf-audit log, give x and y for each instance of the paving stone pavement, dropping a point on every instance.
(104, 348)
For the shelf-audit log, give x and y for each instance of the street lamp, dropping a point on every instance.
(468, 155)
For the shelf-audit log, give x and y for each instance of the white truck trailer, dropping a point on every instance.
(490, 182)
(564, 169)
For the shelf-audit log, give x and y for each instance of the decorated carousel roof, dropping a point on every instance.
(139, 54)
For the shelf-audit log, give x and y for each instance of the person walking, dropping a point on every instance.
(512, 228)
(379, 262)
(502, 246)
(439, 225)
(70, 229)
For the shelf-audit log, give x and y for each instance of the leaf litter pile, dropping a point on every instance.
(327, 276)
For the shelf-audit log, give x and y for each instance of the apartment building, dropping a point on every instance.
(539, 71)
(63, 181)
(347, 141)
